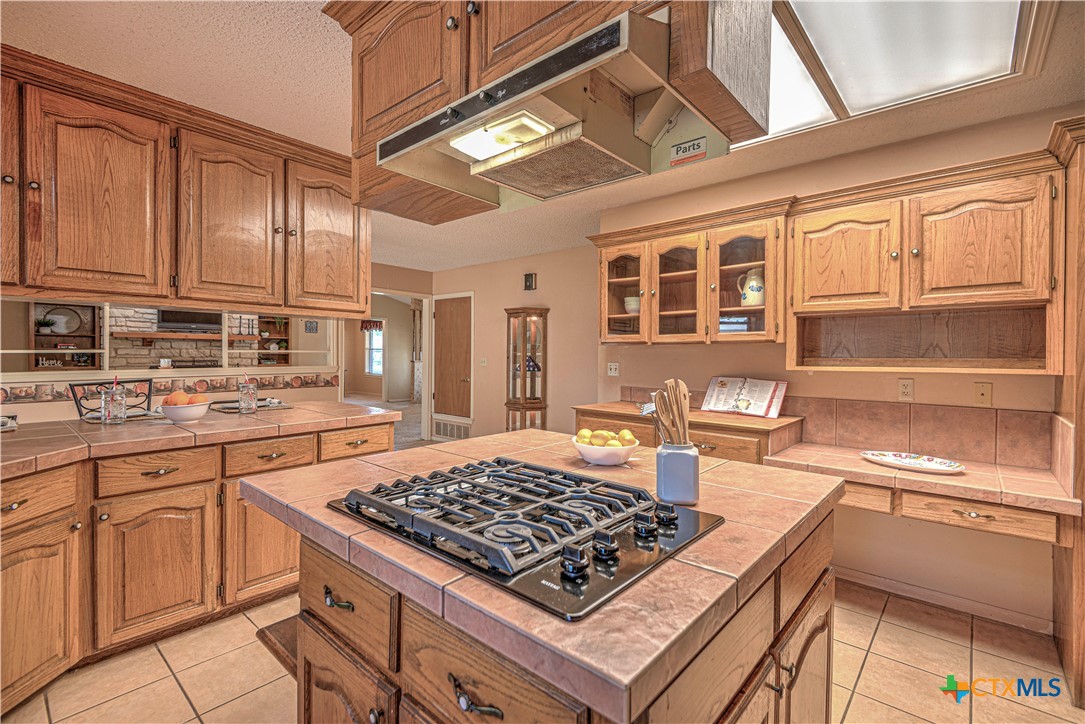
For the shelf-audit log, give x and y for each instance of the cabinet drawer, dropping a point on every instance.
(730, 447)
(370, 623)
(263, 455)
(703, 689)
(355, 441)
(140, 473)
(440, 665)
(35, 495)
(868, 497)
(801, 571)
(644, 432)
(990, 517)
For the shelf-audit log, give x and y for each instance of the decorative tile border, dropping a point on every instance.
(59, 391)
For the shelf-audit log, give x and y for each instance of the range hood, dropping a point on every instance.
(594, 111)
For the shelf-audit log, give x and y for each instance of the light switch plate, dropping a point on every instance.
(482, 362)
(983, 394)
(612, 369)
(905, 390)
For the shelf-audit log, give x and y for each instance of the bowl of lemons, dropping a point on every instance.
(602, 447)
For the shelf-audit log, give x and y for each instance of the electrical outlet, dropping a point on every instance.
(612, 369)
(983, 394)
(906, 390)
(482, 362)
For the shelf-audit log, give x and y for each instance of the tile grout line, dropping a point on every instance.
(859, 675)
(268, 683)
(45, 698)
(179, 685)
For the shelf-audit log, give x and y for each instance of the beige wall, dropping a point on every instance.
(14, 334)
(355, 380)
(567, 285)
(398, 324)
(400, 279)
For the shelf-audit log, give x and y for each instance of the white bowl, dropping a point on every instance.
(605, 455)
(632, 305)
(185, 413)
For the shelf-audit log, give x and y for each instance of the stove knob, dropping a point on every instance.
(666, 514)
(574, 560)
(644, 525)
(605, 546)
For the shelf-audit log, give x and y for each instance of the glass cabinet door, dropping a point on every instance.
(514, 393)
(534, 328)
(622, 290)
(677, 289)
(741, 297)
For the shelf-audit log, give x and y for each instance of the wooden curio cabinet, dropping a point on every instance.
(526, 368)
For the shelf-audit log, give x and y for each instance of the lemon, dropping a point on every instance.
(599, 438)
(613, 443)
(626, 438)
(612, 435)
(584, 433)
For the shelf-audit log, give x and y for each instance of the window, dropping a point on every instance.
(374, 352)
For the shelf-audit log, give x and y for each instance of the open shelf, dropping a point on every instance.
(623, 316)
(744, 266)
(678, 275)
(678, 313)
(753, 309)
(214, 336)
(623, 280)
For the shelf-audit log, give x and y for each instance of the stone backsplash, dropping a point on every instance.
(134, 354)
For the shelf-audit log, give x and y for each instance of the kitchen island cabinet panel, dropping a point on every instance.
(230, 230)
(96, 198)
(756, 703)
(260, 553)
(156, 561)
(805, 658)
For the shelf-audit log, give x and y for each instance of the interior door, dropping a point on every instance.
(230, 240)
(11, 228)
(327, 253)
(982, 243)
(677, 289)
(738, 255)
(452, 356)
(96, 196)
(848, 258)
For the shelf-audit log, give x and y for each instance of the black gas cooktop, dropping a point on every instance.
(566, 542)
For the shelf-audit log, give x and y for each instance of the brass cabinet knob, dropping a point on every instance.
(293, 232)
(915, 252)
(34, 185)
(77, 525)
(894, 254)
(278, 229)
(9, 179)
(103, 516)
(711, 286)
(452, 23)
(473, 7)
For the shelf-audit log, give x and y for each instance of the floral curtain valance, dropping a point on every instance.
(372, 325)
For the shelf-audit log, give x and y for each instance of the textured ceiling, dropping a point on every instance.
(285, 66)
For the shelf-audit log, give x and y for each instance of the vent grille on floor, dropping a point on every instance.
(451, 430)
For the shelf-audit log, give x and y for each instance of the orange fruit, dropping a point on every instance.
(197, 398)
(180, 397)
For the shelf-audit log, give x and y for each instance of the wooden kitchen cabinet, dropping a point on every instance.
(986, 242)
(97, 188)
(804, 656)
(624, 302)
(40, 576)
(847, 258)
(335, 685)
(156, 561)
(507, 35)
(11, 182)
(735, 253)
(230, 222)
(677, 289)
(327, 252)
(756, 703)
(260, 553)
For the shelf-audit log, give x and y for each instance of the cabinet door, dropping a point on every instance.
(230, 243)
(11, 229)
(805, 657)
(756, 703)
(847, 259)
(260, 551)
(624, 302)
(506, 35)
(677, 290)
(408, 63)
(982, 243)
(744, 281)
(39, 584)
(327, 252)
(334, 685)
(97, 197)
(156, 560)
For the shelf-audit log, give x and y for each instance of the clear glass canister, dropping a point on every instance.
(246, 398)
(114, 408)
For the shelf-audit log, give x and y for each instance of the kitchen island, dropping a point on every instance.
(737, 621)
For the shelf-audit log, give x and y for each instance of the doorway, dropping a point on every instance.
(453, 342)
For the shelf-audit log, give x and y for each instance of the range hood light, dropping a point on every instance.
(501, 135)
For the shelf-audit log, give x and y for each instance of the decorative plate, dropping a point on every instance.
(913, 461)
(67, 320)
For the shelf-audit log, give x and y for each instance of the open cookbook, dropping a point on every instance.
(745, 396)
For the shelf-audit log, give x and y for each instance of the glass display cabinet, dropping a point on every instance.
(625, 309)
(677, 289)
(526, 368)
(742, 270)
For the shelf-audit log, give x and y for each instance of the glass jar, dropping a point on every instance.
(246, 398)
(114, 408)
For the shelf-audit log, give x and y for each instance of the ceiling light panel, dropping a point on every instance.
(501, 135)
(881, 53)
(794, 99)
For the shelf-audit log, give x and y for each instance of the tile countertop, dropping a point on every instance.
(40, 446)
(624, 654)
(696, 416)
(1033, 488)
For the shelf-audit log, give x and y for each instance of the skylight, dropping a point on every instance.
(794, 99)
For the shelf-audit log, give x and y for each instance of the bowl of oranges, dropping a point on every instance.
(180, 406)
(602, 447)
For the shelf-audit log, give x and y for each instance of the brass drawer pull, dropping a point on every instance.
(330, 602)
(271, 456)
(160, 472)
(465, 703)
(356, 443)
(973, 514)
(705, 446)
(15, 505)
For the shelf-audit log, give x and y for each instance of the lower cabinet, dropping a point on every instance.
(156, 560)
(260, 553)
(335, 684)
(756, 703)
(39, 575)
(804, 655)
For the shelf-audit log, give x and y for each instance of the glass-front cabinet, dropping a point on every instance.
(622, 288)
(526, 368)
(677, 289)
(742, 269)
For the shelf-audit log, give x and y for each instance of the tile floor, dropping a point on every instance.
(890, 657)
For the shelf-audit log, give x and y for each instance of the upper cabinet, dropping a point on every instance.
(230, 238)
(677, 289)
(11, 227)
(743, 276)
(506, 35)
(847, 259)
(981, 243)
(327, 242)
(97, 197)
(623, 302)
